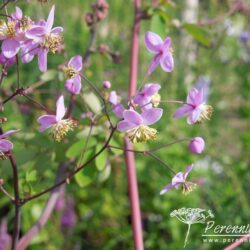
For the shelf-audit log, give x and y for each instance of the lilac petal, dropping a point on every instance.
(166, 44)
(151, 88)
(191, 98)
(125, 125)
(178, 178)
(118, 110)
(7, 133)
(167, 62)
(154, 63)
(76, 62)
(141, 99)
(151, 116)
(5, 145)
(187, 171)
(74, 85)
(133, 117)
(57, 30)
(10, 47)
(199, 98)
(166, 189)
(18, 14)
(183, 111)
(153, 42)
(50, 20)
(113, 98)
(42, 60)
(60, 108)
(35, 32)
(194, 116)
(46, 121)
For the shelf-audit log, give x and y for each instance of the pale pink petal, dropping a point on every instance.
(153, 42)
(35, 32)
(10, 47)
(151, 116)
(113, 98)
(46, 121)
(5, 145)
(18, 14)
(166, 44)
(7, 133)
(199, 98)
(166, 189)
(194, 116)
(74, 85)
(178, 178)
(57, 30)
(60, 108)
(151, 88)
(167, 62)
(118, 110)
(187, 171)
(125, 125)
(76, 62)
(183, 111)
(133, 117)
(50, 20)
(42, 60)
(191, 98)
(154, 63)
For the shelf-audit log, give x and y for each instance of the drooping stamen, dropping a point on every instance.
(60, 129)
(206, 113)
(52, 42)
(7, 29)
(188, 187)
(156, 99)
(70, 72)
(142, 133)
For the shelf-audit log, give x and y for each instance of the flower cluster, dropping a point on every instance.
(20, 33)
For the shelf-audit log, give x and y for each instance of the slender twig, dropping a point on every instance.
(16, 229)
(5, 192)
(71, 175)
(71, 106)
(5, 4)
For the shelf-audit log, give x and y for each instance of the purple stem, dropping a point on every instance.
(129, 155)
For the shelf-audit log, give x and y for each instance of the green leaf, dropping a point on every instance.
(200, 34)
(31, 176)
(48, 75)
(85, 176)
(101, 160)
(76, 149)
(93, 102)
(158, 25)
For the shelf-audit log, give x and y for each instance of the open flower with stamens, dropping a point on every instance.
(47, 38)
(162, 52)
(137, 125)
(59, 126)
(195, 108)
(149, 94)
(72, 71)
(180, 179)
(5, 145)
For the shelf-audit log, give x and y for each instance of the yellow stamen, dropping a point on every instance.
(142, 133)
(25, 23)
(3, 156)
(206, 113)
(60, 129)
(70, 72)
(7, 29)
(52, 42)
(188, 187)
(156, 99)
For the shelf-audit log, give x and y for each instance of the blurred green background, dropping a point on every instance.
(214, 54)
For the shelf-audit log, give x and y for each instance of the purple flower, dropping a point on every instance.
(136, 125)
(117, 107)
(180, 179)
(60, 126)
(148, 94)
(106, 84)
(47, 38)
(245, 37)
(6, 145)
(7, 62)
(203, 82)
(196, 145)
(195, 108)
(161, 50)
(72, 71)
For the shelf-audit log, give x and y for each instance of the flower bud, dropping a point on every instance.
(106, 84)
(196, 145)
